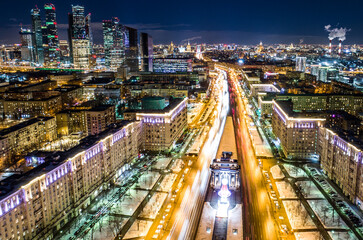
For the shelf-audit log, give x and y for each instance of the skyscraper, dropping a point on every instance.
(114, 37)
(79, 37)
(27, 46)
(51, 50)
(132, 49)
(300, 64)
(146, 52)
(37, 35)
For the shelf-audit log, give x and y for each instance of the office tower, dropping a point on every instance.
(64, 49)
(27, 46)
(146, 49)
(79, 37)
(114, 37)
(51, 50)
(37, 35)
(89, 31)
(300, 64)
(132, 49)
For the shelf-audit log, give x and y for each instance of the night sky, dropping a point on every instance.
(233, 21)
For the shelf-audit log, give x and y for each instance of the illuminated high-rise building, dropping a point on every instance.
(37, 35)
(50, 35)
(79, 33)
(27, 46)
(146, 52)
(300, 64)
(132, 49)
(189, 48)
(114, 37)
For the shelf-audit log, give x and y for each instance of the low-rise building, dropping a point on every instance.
(263, 88)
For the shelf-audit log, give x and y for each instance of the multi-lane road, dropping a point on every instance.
(184, 219)
(257, 218)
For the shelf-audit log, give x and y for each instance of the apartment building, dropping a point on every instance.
(98, 118)
(16, 109)
(352, 104)
(89, 121)
(71, 121)
(341, 159)
(296, 131)
(26, 137)
(40, 202)
(161, 128)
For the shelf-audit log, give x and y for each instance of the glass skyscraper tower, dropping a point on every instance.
(114, 37)
(50, 37)
(80, 40)
(37, 35)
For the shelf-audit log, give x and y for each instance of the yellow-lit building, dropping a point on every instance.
(161, 128)
(27, 136)
(341, 159)
(297, 132)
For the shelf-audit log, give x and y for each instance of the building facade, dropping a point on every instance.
(99, 118)
(71, 121)
(16, 109)
(146, 52)
(161, 128)
(114, 38)
(50, 37)
(26, 137)
(300, 64)
(37, 35)
(341, 159)
(79, 33)
(132, 43)
(297, 132)
(27, 46)
(172, 65)
(40, 202)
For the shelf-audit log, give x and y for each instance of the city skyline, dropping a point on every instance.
(271, 23)
(181, 120)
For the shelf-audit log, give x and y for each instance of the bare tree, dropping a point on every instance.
(115, 225)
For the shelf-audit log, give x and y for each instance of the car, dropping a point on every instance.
(270, 185)
(284, 228)
(273, 196)
(341, 204)
(87, 230)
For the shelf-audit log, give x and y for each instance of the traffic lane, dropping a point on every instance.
(260, 211)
